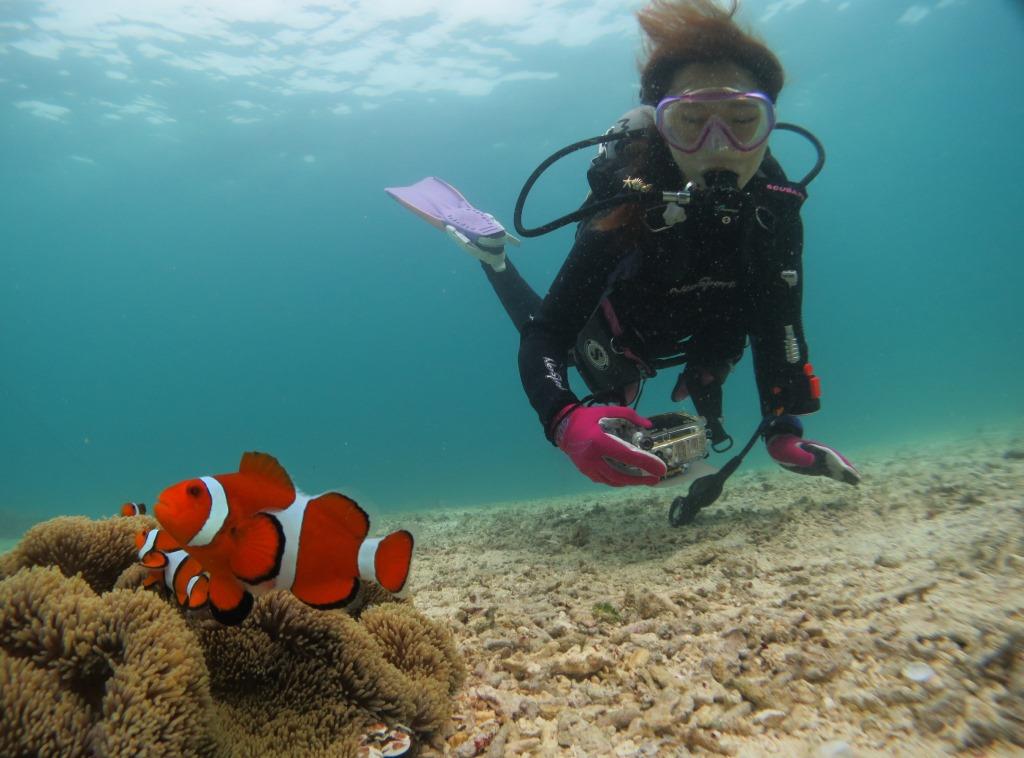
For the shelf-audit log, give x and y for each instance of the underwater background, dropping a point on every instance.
(197, 257)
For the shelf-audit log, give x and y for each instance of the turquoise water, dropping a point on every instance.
(197, 257)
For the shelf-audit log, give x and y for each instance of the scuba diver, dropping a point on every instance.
(688, 246)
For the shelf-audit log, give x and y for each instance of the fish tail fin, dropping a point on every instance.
(387, 560)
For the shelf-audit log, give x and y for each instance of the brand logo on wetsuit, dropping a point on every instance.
(705, 283)
(553, 373)
(787, 190)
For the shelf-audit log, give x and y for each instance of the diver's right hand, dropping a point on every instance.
(602, 457)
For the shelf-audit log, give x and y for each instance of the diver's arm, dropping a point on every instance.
(785, 379)
(549, 336)
(782, 367)
(521, 303)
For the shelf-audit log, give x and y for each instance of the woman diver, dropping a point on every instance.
(647, 286)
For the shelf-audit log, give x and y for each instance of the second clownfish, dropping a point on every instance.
(171, 566)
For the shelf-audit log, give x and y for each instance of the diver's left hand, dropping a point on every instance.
(791, 451)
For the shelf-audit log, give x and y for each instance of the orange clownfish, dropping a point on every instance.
(168, 564)
(253, 531)
(177, 570)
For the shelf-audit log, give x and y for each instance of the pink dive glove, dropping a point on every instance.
(603, 457)
(792, 452)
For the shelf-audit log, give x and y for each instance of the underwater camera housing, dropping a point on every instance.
(678, 439)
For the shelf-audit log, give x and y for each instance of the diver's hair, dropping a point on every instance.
(680, 32)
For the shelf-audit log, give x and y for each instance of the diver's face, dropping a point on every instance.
(714, 157)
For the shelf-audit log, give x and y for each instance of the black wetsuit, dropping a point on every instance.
(696, 291)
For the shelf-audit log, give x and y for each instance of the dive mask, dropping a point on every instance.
(715, 119)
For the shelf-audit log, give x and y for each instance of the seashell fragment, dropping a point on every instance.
(918, 672)
(376, 731)
(398, 743)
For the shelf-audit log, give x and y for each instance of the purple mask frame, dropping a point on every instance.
(714, 96)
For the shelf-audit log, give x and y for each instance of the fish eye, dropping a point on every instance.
(194, 490)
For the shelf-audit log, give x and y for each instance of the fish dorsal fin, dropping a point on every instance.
(265, 465)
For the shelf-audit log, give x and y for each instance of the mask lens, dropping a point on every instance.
(743, 119)
(685, 122)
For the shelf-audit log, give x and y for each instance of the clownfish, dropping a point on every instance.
(133, 509)
(175, 568)
(168, 564)
(253, 531)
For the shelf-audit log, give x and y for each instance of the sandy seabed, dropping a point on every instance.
(796, 617)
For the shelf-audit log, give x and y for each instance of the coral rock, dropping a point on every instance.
(86, 669)
(117, 674)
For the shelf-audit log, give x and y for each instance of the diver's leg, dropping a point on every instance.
(517, 297)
